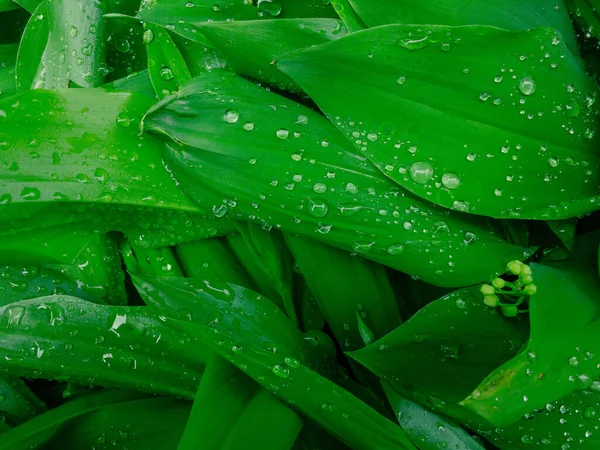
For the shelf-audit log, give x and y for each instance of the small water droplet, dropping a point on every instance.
(282, 133)
(317, 208)
(231, 116)
(395, 249)
(166, 73)
(320, 188)
(248, 126)
(30, 193)
(280, 371)
(401, 80)
(73, 31)
(148, 36)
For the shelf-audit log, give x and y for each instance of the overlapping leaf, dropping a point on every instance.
(243, 151)
(483, 135)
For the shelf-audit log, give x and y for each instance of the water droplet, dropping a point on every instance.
(73, 31)
(292, 362)
(148, 36)
(271, 7)
(421, 172)
(281, 371)
(471, 157)
(123, 120)
(220, 210)
(460, 303)
(282, 133)
(553, 162)
(362, 246)
(351, 188)
(395, 249)
(248, 126)
(30, 193)
(460, 206)
(590, 412)
(450, 180)
(317, 208)
(231, 116)
(320, 188)
(401, 80)
(166, 74)
(527, 86)
(12, 316)
(122, 45)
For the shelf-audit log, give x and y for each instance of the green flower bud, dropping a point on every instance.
(530, 289)
(486, 289)
(514, 267)
(498, 283)
(525, 270)
(509, 310)
(491, 300)
(526, 279)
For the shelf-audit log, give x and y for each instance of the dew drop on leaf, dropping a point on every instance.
(421, 172)
(231, 116)
(527, 86)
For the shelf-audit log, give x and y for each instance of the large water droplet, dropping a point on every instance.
(166, 74)
(231, 116)
(450, 180)
(30, 193)
(317, 208)
(421, 172)
(527, 86)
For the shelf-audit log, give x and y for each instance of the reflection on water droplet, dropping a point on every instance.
(450, 180)
(317, 208)
(362, 246)
(282, 133)
(148, 36)
(460, 206)
(401, 80)
(30, 193)
(527, 86)
(553, 162)
(220, 210)
(320, 188)
(421, 172)
(231, 116)
(395, 249)
(166, 74)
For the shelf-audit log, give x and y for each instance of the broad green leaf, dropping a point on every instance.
(310, 315)
(79, 157)
(146, 423)
(13, 24)
(427, 430)
(444, 351)
(166, 67)
(254, 334)
(514, 15)
(125, 47)
(49, 337)
(222, 396)
(211, 259)
(266, 423)
(482, 134)
(8, 58)
(31, 281)
(31, 48)
(268, 261)
(75, 48)
(345, 12)
(565, 231)
(150, 261)
(7, 5)
(248, 157)
(198, 57)
(29, 5)
(559, 356)
(18, 400)
(251, 46)
(37, 431)
(346, 285)
(184, 17)
(138, 83)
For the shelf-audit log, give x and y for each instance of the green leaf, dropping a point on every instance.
(136, 425)
(345, 12)
(514, 15)
(39, 430)
(507, 127)
(73, 263)
(80, 157)
(250, 47)
(8, 58)
(266, 424)
(346, 285)
(49, 337)
(254, 334)
(266, 258)
(7, 5)
(18, 400)
(29, 5)
(443, 352)
(222, 396)
(31, 48)
(184, 20)
(558, 359)
(427, 430)
(138, 82)
(248, 157)
(75, 48)
(166, 67)
(125, 48)
(565, 231)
